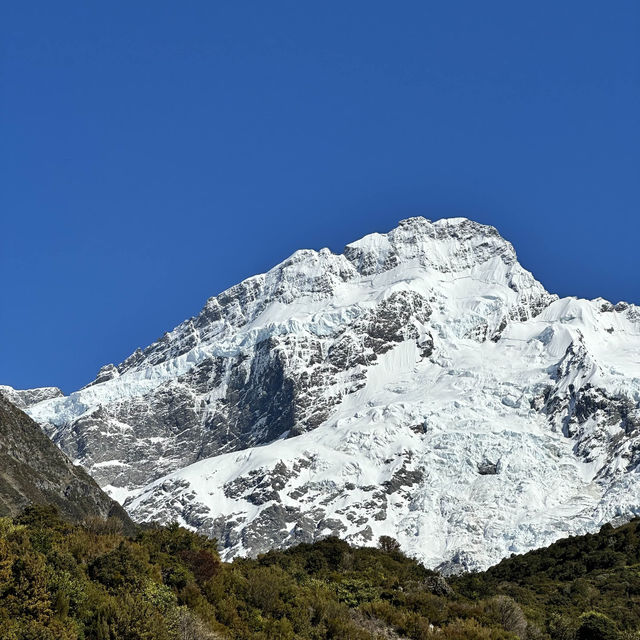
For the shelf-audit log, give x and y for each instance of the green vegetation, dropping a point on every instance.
(66, 582)
(585, 585)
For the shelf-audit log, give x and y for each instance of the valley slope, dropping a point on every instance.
(34, 471)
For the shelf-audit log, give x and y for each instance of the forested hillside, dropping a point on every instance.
(63, 581)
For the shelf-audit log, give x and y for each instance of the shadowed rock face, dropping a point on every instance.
(34, 471)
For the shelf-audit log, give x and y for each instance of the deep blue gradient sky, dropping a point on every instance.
(155, 153)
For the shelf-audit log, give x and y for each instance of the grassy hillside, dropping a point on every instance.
(62, 581)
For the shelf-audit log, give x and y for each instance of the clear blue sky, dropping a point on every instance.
(155, 153)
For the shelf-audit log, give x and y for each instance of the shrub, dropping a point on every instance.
(388, 544)
(596, 626)
(125, 566)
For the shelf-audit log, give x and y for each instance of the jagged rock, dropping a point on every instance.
(438, 585)
(108, 372)
(486, 468)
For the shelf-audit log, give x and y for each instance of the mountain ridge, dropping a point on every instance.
(34, 471)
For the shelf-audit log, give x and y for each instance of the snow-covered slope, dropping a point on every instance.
(24, 398)
(422, 385)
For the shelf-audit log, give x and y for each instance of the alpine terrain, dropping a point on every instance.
(34, 471)
(421, 385)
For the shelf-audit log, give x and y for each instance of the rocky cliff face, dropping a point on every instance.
(421, 384)
(34, 471)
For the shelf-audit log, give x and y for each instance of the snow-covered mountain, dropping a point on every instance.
(24, 398)
(421, 384)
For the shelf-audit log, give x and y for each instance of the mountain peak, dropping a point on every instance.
(420, 384)
(24, 398)
(448, 245)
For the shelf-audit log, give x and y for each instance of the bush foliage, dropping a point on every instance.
(68, 582)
